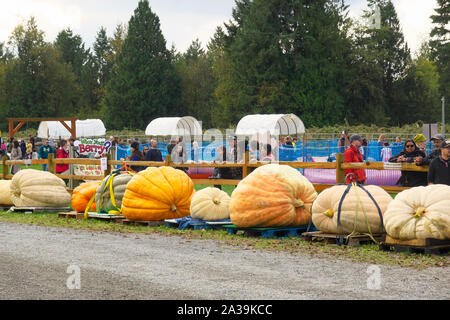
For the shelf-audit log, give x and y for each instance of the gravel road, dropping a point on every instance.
(34, 262)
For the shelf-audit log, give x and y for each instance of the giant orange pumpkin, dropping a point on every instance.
(82, 195)
(272, 196)
(157, 194)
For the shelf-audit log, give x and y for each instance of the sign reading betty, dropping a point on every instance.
(100, 146)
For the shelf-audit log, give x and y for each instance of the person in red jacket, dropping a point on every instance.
(62, 152)
(352, 154)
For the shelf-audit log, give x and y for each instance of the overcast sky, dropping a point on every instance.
(181, 20)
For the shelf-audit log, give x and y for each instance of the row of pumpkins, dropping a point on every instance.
(272, 195)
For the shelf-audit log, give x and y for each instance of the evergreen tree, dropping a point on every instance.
(286, 56)
(440, 47)
(103, 50)
(72, 49)
(145, 84)
(197, 82)
(392, 55)
(36, 81)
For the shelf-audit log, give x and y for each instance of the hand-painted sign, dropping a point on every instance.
(100, 146)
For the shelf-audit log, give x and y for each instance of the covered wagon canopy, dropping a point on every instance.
(176, 126)
(84, 128)
(276, 124)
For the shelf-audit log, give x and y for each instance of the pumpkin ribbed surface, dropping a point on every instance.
(419, 213)
(157, 194)
(210, 204)
(325, 210)
(83, 194)
(103, 199)
(5, 195)
(35, 188)
(272, 195)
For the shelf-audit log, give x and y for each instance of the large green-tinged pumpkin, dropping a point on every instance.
(419, 213)
(5, 194)
(352, 218)
(103, 198)
(157, 194)
(272, 196)
(35, 188)
(210, 204)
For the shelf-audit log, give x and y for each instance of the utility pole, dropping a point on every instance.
(443, 116)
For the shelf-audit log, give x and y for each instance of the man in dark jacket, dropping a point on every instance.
(436, 153)
(439, 172)
(154, 154)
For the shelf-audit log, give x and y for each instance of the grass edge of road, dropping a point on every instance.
(364, 254)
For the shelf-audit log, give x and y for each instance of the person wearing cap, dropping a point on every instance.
(352, 154)
(421, 142)
(343, 142)
(437, 142)
(439, 171)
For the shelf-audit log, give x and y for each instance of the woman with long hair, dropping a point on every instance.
(136, 155)
(407, 155)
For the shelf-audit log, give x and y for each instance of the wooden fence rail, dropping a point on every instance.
(247, 166)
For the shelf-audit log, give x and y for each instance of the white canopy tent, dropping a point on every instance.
(176, 126)
(276, 124)
(85, 128)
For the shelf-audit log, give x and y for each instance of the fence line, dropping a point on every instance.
(246, 166)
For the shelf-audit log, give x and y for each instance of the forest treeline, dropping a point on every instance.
(274, 56)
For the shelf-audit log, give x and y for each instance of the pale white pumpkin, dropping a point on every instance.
(210, 204)
(5, 195)
(419, 213)
(325, 210)
(35, 188)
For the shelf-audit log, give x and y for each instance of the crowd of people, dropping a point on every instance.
(354, 148)
(414, 152)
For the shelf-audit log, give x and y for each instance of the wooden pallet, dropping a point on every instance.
(71, 215)
(105, 217)
(277, 233)
(354, 240)
(39, 209)
(142, 223)
(421, 246)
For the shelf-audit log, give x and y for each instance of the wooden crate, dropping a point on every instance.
(342, 239)
(422, 246)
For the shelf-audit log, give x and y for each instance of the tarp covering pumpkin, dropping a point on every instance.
(158, 193)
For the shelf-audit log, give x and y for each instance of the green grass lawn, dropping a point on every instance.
(294, 246)
(33, 166)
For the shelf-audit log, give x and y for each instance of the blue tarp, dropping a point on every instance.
(319, 148)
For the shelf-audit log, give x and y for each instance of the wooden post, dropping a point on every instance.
(168, 160)
(340, 173)
(109, 167)
(246, 160)
(5, 167)
(71, 168)
(51, 163)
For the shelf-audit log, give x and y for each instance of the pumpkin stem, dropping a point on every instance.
(329, 213)
(419, 213)
(173, 208)
(216, 201)
(299, 203)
